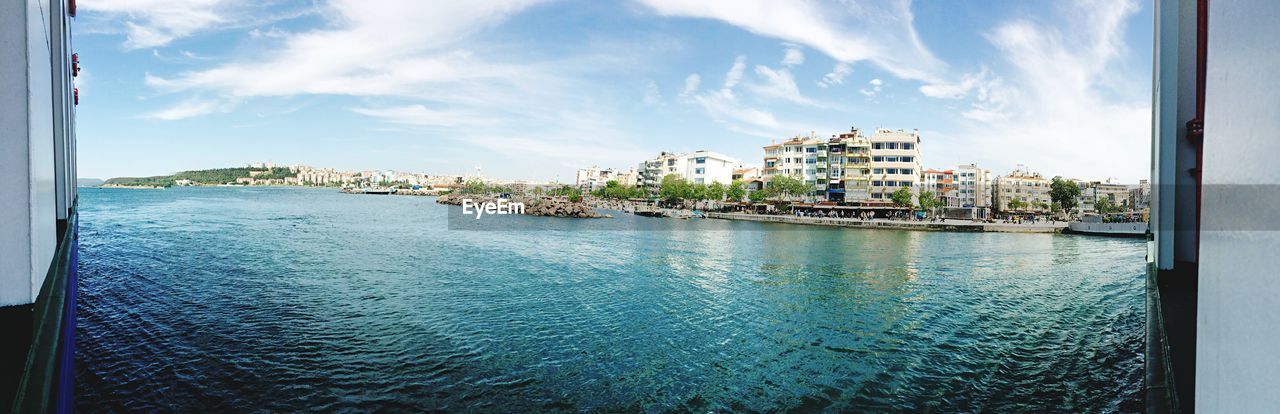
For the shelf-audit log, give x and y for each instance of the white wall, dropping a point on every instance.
(28, 191)
(1238, 329)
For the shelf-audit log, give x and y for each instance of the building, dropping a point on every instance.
(895, 162)
(849, 167)
(698, 167)
(974, 186)
(799, 158)
(1092, 191)
(627, 178)
(594, 178)
(745, 173)
(1140, 196)
(38, 213)
(944, 184)
(1030, 189)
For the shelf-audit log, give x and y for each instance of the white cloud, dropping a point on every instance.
(153, 23)
(792, 56)
(422, 116)
(836, 76)
(190, 108)
(691, 84)
(735, 72)
(879, 32)
(778, 83)
(652, 95)
(873, 87)
(1056, 108)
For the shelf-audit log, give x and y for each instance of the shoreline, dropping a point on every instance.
(886, 224)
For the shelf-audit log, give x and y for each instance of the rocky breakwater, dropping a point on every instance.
(546, 206)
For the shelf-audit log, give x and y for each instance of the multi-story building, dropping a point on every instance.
(1092, 191)
(1032, 189)
(849, 167)
(627, 178)
(745, 173)
(895, 162)
(974, 187)
(1140, 196)
(698, 167)
(801, 157)
(593, 178)
(944, 185)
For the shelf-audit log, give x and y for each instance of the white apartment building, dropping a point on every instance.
(974, 186)
(593, 178)
(895, 162)
(1092, 191)
(698, 167)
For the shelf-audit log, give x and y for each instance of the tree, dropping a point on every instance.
(901, 197)
(1064, 193)
(786, 188)
(1017, 204)
(929, 201)
(715, 191)
(736, 191)
(758, 196)
(673, 189)
(1104, 206)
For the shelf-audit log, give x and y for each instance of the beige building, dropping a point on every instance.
(1092, 191)
(1027, 187)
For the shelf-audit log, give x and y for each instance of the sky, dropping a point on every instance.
(535, 89)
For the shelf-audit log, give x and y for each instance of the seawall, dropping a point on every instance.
(954, 226)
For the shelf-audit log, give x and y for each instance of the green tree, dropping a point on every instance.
(1017, 204)
(715, 191)
(901, 197)
(736, 191)
(929, 201)
(786, 188)
(758, 196)
(1104, 206)
(673, 189)
(1064, 193)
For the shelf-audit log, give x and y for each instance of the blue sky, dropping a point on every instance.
(530, 89)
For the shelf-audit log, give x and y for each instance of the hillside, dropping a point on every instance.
(205, 177)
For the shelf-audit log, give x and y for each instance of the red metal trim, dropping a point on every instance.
(71, 8)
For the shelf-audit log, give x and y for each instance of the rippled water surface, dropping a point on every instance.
(204, 299)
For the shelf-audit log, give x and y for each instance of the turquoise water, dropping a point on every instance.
(287, 299)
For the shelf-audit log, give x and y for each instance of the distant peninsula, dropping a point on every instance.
(216, 176)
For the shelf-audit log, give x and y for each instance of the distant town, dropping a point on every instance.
(881, 170)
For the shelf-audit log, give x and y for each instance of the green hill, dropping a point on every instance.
(208, 177)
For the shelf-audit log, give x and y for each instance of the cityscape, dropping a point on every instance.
(853, 168)
(639, 206)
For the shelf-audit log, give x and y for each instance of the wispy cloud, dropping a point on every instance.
(1057, 95)
(874, 87)
(191, 108)
(836, 76)
(882, 33)
(792, 56)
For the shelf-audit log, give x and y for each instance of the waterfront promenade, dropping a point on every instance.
(952, 225)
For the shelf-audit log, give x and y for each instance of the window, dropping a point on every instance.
(908, 145)
(877, 146)
(877, 170)
(890, 159)
(906, 159)
(698, 170)
(810, 150)
(787, 149)
(877, 183)
(700, 160)
(907, 171)
(891, 145)
(671, 162)
(877, 159)
(891, 171)
(877, 195)
(811, 161)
